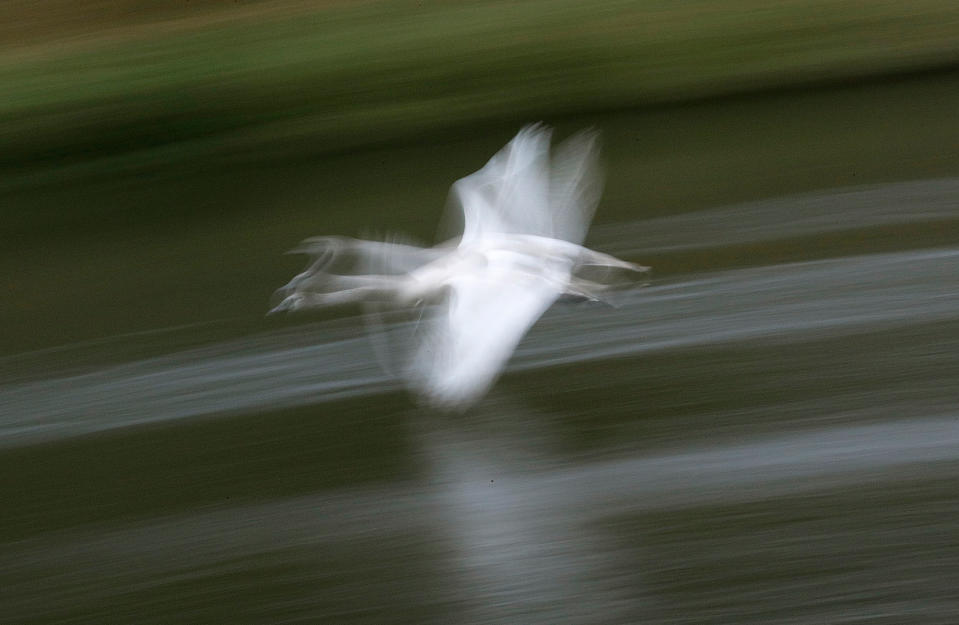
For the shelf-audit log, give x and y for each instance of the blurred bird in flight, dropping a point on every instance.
(524, 216)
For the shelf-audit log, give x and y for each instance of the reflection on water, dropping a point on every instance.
(762, 443)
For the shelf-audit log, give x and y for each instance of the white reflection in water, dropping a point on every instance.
(526, 525)
(521, 553)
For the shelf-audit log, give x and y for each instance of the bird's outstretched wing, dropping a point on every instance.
(521, 190)
(575, 186)
(510, 194)
(465, 344)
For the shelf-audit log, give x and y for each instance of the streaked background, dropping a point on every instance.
(766, 434)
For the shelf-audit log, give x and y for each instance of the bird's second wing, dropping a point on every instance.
(510, 194)
(575, 186)
(468, 340)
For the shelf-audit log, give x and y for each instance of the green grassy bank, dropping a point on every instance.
(94, 88)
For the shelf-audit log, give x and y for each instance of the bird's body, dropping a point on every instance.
(523, 221)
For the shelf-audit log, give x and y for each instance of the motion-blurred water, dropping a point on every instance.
(763, 442)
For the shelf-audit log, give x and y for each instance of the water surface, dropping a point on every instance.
(768, 433)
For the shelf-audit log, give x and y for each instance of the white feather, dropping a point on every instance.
(523, 221)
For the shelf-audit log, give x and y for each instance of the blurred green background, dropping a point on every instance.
(156, 157)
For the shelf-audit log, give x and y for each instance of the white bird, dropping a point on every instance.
(524, 216)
